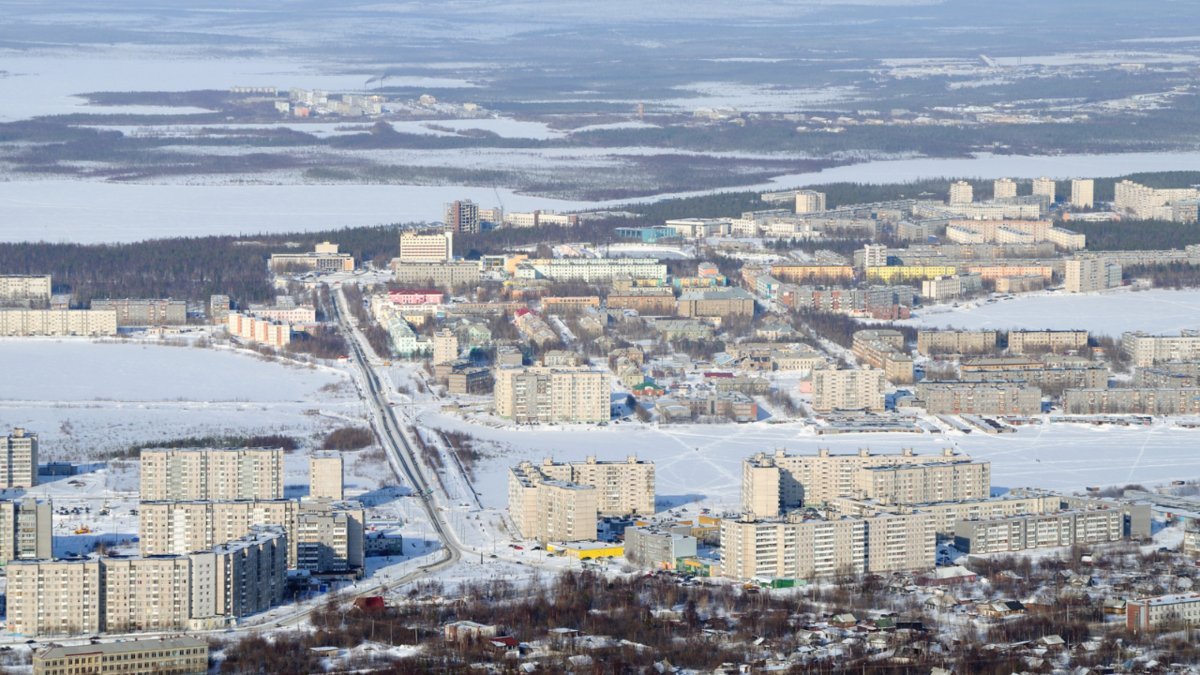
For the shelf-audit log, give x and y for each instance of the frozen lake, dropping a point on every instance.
(1110, 313)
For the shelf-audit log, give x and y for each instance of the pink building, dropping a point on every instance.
(416, 296)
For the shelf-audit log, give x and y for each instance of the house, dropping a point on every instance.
(461, 631)
(845, 620)
(1000, 609)
(374, 604)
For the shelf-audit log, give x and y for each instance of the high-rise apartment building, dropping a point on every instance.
(445, 346)
(25, 529)
(1044, 187)
(215, 474)
(553, 395)
(810, 201)
(550, 510)
(1090, 273)
(462, 216)
(1147, 350)
(860, 389)
(1083, 191)
(22, 290)
(19, 461)
(624, 488)
(326, 476)
(775, 484)
(1004, 188)
(426, 247)
(794, 548)
(161, 656)
(961, 192)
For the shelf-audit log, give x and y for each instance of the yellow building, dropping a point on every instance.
(588, 550)
(893, 273)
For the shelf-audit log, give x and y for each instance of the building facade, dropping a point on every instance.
(548, 510)
(57, 322)
(145, 312)
(553, 395)
(211, 474)
(860, 389)
(1019, 533)
(426, 247)
(19, 459)
(163, 656)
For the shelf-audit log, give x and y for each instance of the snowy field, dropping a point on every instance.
(1108, 313)
(701, 464)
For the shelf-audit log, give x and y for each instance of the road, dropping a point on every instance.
(391, 435)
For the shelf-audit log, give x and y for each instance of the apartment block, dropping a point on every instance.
(439, 275)
(653, 301)
(540, 218)
(897, 542)
(591, 270)
(980, 398)
(1146, 203)
(1132, 401)
(144, 312)
(658, 547)
(19, 459)
(323, 536)
(1083, 191)
(1148, 350)
(1035, 341)
(1019, 533)
(860, 389)
(550, 510)
(162, 656)
(1049, 371)
(1089, 274)
(25, 529)
(623, 488)
(1045, 188)
(426, 247)
(810, 201)
(923, 483)
(884, 349)
(946, 514)
(1169, 375)
(23, 290)
(961, 192)
(284, 310)
(462, 216)
(795, 548)
(55, 597)
(324, 258)
(716, 302)
(215, 474)
(950, 288)
(553, 395)
(1162, 612)
(326, 476)
(775, 484)
(1004, 188)
(260, 330)
(956, 342)
(57, 322)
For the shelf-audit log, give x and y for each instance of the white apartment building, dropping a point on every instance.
(1083, 193)
(540, 218)
(326, 476)
(1004, 188)
(263, 331)
(1045, 187)
(18, 459)
(860, 389)
(792, 549)
(445, 346)
(810, 201)
(1089, 274)
(57, 322)
(426, 247)
(961, 192)
(591, 270)
(1147, 203)
(1147, 350)
(550, 510)
(25, 529)
(216, 474)
(623, 488)
(553, 395)
(775, 484)
(122, 594)
(31, 290)
(1163, 612)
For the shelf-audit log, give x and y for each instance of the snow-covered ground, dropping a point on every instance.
(702, 463)
(1108, 313)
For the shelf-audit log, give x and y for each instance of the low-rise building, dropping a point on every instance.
(930, 342)
(652, 301)
(658, 547)
(1163, 612)
(18, 459)
(884, 349)
(211, 473)
(262, 331)
(1148, 350)
(181, 655)
(324, 258)
(1132, 401)
(440, 275)
(57, 322)
(25, 529)
(25, 290)
(1035, 341)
